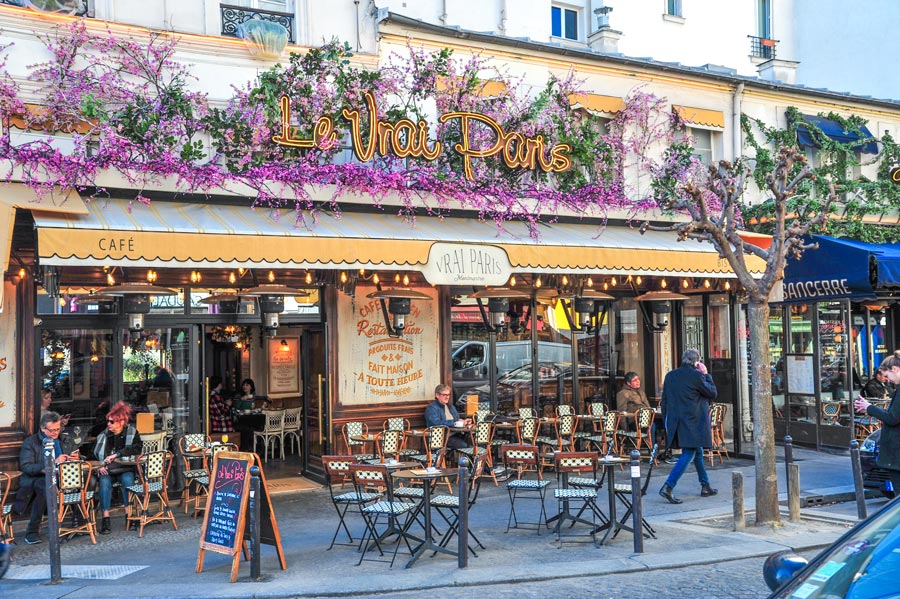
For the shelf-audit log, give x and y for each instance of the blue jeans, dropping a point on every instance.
(688, 455)
(126, 479)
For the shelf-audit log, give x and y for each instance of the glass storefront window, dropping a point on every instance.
(833, 341)
(693, 324)
(76, 303)
(776, 357)
(76, 366)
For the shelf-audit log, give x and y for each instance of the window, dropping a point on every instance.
(703, 144)
(564, 22)
(764, 18)
(673, 8)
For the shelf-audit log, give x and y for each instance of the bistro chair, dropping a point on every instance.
(192, 447)
(640, 436)
(584, 464)
(605, 442)
(291, 430)
(527, 430)
(831, 413)
(153, 442)
(356, 429)
(482, 439)
(402, 425)
(389, 445)
(448, 505)
(337, 472)
(564, 427)
(864, 425)
(272, 431)
(75, 500)
(522, 459)
(623, 494)
(153, 470)
(6, 530)
(202, 483)
(527, 413)
(719, 450)
(366, 476)
(435, 455)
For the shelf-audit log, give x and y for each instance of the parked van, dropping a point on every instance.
(471, 360)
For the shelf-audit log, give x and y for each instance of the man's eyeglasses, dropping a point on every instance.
(444, 394)
(47, 429)
(111, 421)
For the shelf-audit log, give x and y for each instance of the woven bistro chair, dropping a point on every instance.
(522, 459)
(482, 439)
(527, 430)
(337, 474)
(583, 464)
(389, 445)
(352, 429)
(272, 432)
(75, 499)
(717, 413)
(564, 427)
(6, 530)
(640, 436)
(196, 469)
(402, 425)
(623, 494)
(447, 506)
(366, 476)
(605, 442)
(202, 483)
(153, 471)
(291, 428)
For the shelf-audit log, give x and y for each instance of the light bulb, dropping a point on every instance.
(397, 278)
(308, 278)
(22, 273)
(727, 285)
(241, 271)
(406, 280)
(343, 277)
(231, 278)
(271, 276)
(638, 280)
(512, 281)
(685, 284)
(375, 278)
(110, 280)
(605, 286)
(613, 282)
(590, 282)
(663, 284)
(565, 280)
(538, 283)
(706, 284)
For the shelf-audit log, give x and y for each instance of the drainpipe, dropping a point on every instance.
(503, 13)
(443, 17)
(737, 137)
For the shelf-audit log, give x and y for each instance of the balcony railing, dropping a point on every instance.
(762, 47)
(232, 16)
(78, 8)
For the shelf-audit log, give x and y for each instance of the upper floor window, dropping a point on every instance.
(273, 5)
(703, 144)
(564, 22)
(673, 8)
(764, 18)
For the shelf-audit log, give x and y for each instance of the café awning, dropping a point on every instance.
(119, 232)
(840, 269)
(835, 131)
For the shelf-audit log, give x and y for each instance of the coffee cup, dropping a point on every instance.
(431, 469)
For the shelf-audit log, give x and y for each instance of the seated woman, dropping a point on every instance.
(246, 400)
(119, 440)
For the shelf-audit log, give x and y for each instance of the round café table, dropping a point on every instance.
(426, 477)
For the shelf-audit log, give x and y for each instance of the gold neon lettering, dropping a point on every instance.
(463, 148)
(324, 135)
(365, 152)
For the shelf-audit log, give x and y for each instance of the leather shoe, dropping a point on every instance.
(105, 529)
(707, 491)
(667, 493)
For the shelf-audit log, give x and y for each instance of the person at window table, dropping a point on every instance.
(119, 440)
(221, 419)
(878, 386)
(441, 412)
(31, 463)
(889, 452)
(247, 399)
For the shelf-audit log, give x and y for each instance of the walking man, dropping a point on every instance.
(687, 392)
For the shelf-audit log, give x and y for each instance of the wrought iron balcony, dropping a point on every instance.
(232, 16)
(78, 8)
(762, 47)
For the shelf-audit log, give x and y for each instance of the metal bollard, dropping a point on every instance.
(52, 510)
(788, 460)
(462, 549)
(254, 524)
(794, 493)
(737, 500)
(857, 480)
(637, 510)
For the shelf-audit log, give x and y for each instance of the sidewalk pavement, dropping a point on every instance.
(698, 531)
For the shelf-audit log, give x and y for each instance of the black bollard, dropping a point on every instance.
(857, 480)
(637, 510)
(788, 460)
(52, 510)
(254, 524)
(463, 522)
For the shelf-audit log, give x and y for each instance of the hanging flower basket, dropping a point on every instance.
(264, 39)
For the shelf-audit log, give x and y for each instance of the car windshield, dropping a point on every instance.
(862, 566)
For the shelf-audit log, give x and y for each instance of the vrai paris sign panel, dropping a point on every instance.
(466, 264)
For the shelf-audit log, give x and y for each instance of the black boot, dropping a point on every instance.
(104, 526)
(707, 491)
(668, 494)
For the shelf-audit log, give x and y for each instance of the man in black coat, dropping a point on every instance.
(889, 445)
(687, 393)
(31, 463)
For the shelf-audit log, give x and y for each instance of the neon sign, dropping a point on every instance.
(404, 138)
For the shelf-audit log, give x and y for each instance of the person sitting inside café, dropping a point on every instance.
(221, 419)
(247, 398)
(877, 387)
(119, 440)
(31, 463)
(441, 412)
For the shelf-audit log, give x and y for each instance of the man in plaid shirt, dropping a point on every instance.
(220, 417)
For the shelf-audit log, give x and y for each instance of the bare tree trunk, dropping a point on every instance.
(763, 427)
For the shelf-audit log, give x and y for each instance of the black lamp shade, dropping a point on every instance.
(498, 305)
(584, 305)
(399, 305)
(137, 304)
(271, 304)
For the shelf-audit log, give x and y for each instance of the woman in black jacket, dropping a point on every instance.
(889, 446)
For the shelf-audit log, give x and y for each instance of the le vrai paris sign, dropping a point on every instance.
(403, 138)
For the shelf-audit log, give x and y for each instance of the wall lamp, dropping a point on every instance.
(498, 305)
(136, 300)
(398, 306)
(660, 303)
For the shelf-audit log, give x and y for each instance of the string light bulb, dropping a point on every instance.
(406, 280)
(343, 277)
(538, 283)
(638, 280)
(151, 276)
(663, 284)
(242, 271)
(22, 273)
(685, 284)
(512, 281)
(706, 284)
(565, 280)
(375, 278)
(727, 285)
(110, 279)
(605, 286)
(232, 278)
(196, 277)
(271, 276)
(308, 278)
(613, 282)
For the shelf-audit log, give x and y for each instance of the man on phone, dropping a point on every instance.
(687, 392)
(31, 463)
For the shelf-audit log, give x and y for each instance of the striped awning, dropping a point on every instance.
(205, 235)
(597, 104)
(707, 119)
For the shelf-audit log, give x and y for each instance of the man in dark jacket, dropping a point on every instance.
(889, 446)
(31, 463)
(441, 412)
(877, 387)
(687, 392)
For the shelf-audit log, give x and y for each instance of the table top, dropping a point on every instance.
(422, 474)
(396, 465)
(13, 474)
(613, 461)
(368, 437)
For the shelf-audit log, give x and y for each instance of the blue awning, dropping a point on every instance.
(841, 268)
(834, 130)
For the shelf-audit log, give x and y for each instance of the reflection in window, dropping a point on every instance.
(833, 363)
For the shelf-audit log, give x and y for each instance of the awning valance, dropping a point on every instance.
(203, 235)
(835, 131)
(701, 117)
(841, 268)
(596, 103)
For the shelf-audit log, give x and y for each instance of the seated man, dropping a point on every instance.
(31, 463)
(631, 397)
(119, 440)
(441, 412)
(877, 387)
